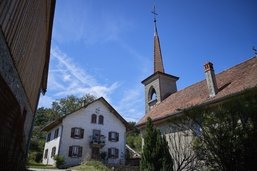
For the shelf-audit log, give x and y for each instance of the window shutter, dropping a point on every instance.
(116, 153)
(117, 136)
(70, 151)
(72, 132)
(109, 152)
(81, 133)
(80, 152)
(110, 136)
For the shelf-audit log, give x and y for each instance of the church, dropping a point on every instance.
(163, 102)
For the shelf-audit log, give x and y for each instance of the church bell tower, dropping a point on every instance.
(159, 85)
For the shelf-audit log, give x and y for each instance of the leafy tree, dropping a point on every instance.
(43, 116)
(133, 139)
(167, 162)
(155, 154)
(228, 133)
(70, 103)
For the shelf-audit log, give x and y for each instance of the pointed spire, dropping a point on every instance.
(158, 64)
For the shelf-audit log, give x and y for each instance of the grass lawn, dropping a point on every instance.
(91, 166)
(87, 168)
(39, 165)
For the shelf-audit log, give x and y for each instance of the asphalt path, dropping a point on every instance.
(34, 169)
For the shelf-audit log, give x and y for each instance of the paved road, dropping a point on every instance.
(34, 169)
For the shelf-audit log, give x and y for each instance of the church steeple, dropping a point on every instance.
(159, 85)
(158, 64)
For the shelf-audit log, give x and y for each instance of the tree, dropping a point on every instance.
(70, 103)
(155, 155)
(181, 150)
(133, 139)
(228, 133)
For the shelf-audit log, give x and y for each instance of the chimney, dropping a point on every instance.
(210, 78)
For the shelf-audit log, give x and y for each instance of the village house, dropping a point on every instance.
(163, 102)
(95, 131)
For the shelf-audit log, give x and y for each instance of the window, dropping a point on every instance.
(96, 135)
(48, 137)
(113, 136)
(93, 118)
(53, 152)
(101, 120)
(113, 153)
(75, 151)
(46, 153)
(77, 133)
(153, 95)
(56, 132)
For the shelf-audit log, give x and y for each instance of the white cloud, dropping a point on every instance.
(132, 104)
(68, 78)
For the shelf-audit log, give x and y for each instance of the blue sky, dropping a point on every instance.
(105, 48)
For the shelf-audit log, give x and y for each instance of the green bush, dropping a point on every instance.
(59, 160)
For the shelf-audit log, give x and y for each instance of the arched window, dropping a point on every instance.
(152, 94)
(101, 120)
(93, 118)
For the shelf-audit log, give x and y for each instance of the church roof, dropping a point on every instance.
(158, 64)
(230, 82)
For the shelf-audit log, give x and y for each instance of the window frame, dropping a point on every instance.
(93, 118)
(53, 152)
(56, 133)
(113, 136)
(48, 137)
(46, 153)
(101, 119)
(113, 153)
(77, 133)
(75, 151)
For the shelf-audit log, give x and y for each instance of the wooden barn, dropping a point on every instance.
(25, 40)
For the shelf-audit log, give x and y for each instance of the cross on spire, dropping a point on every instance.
(154, 13)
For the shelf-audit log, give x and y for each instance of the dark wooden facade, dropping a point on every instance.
(25, 38)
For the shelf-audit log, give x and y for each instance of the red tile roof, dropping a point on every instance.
(231, 81)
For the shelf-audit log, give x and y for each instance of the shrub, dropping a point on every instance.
(59, 161)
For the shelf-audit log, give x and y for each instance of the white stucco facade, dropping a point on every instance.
(82, 119)
(48, 158)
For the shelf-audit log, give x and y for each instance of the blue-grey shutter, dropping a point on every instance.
(81, 133)
(72, 132)
(109, 152)
(116, 153)
(80, 151)
(117, 136)
(110, 134)
(70, 151)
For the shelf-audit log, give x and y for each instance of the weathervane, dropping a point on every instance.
(255, 51)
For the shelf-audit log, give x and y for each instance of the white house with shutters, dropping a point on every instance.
(95, 131)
